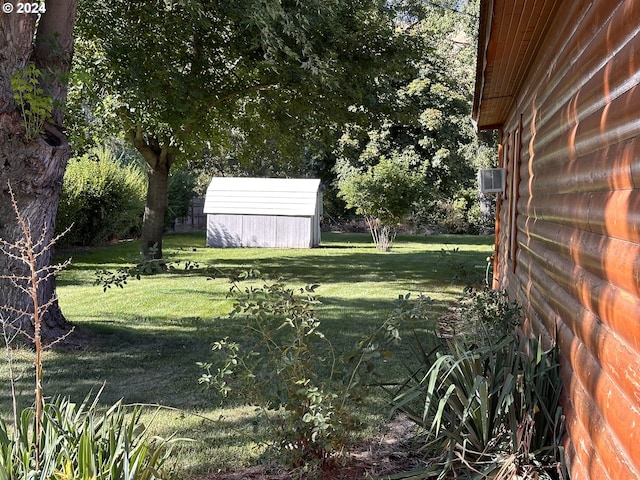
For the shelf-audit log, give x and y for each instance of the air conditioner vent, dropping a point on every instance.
(491, 180)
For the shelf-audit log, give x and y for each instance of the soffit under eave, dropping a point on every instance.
(510, 33)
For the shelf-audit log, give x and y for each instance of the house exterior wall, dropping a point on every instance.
(568, 236)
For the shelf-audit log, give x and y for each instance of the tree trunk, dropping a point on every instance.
(154, 210)
(33, 165)
(35, 173)
(159, 161)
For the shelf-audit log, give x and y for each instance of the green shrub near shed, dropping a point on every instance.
(101, 199)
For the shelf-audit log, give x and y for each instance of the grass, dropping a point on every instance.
(142, 342)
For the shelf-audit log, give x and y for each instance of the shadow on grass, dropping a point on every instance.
(344, 257)
(153, 359)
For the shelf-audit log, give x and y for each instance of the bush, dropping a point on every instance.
(460, 214)
(102, 198)
(488, 409)
(182, 184)
(383, 193)
(305, 392)
(490, 313)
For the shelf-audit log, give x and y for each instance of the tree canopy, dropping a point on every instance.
(191, 76)
(431, 123)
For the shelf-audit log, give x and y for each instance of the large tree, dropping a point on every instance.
(190, 76)
(431, 124)
(35, 59)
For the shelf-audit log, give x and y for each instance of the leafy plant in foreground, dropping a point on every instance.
(285, 365)
(486, 412)
(78, 442)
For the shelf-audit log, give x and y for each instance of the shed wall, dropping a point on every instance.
(261, 231)
(263, 212)
(568, 236)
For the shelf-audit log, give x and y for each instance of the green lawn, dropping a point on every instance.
(142, 342)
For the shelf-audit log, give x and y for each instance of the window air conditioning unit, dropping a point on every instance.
(491, 180)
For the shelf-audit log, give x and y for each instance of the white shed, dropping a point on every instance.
(263, 212)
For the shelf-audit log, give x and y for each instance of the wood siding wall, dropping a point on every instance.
(569, 224)
(268, 231)
(263, 212)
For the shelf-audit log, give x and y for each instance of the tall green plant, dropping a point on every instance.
(101, 198)
(486, 412)
(182, 184)
(285, 365)
(78, 442)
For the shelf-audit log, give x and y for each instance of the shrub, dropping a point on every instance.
(304, 391)
(182, 184)
(102, 198)
(77, 442)
(487, 411)
(459, 214)
(489, 314)
(383, 193)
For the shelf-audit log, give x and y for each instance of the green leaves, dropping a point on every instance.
(384, 193)
(79, 443)
(35, 106)
(277, 368)
(102, 198)
(190, 72)
(474, 403)
(428, 112)
(284, 364)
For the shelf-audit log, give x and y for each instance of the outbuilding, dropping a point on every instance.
(560, 81)
(263, 212)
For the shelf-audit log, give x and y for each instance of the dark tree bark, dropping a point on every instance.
(159, 161)
(34, 165)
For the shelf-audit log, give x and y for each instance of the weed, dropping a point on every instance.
(36, 107)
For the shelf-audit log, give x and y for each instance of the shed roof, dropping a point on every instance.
(262, 196)
(509, 38)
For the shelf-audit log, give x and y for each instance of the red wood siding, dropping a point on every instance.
(577, 223)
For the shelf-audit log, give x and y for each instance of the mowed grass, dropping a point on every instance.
(141, 343)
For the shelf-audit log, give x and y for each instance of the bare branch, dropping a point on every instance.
(60, 339)
(28, 251)
(50, 270)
